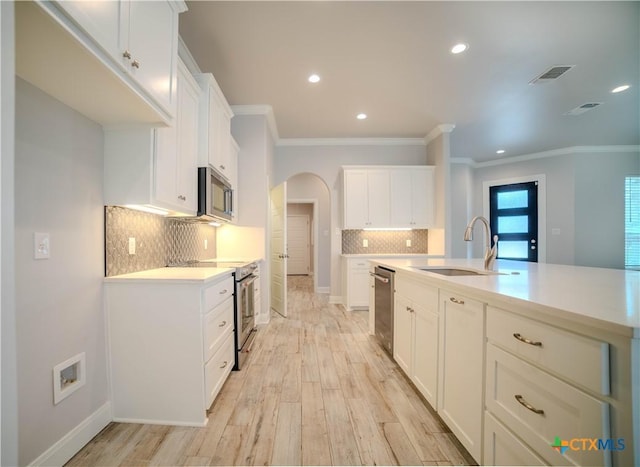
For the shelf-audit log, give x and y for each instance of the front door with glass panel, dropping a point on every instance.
(514, 219)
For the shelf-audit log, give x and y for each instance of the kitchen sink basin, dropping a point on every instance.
(458, 271)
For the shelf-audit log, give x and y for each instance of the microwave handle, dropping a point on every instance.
(229, 201)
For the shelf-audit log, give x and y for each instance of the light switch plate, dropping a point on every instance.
(41, 245)
(132, 245)
(408, 242)
(365, 243)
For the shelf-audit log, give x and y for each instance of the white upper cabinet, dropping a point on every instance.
(388, 196)
(125, 52)
(366, 198)
(214, 148)
(412, 197)
(157, 167)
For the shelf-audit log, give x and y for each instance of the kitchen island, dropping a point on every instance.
(530, 364)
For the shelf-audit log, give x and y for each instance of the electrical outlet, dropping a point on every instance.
(365, 243)
(206, 243)
(408, 242)
(132, 245)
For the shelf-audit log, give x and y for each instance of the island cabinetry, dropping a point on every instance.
(156, 166)
(546, 384)
(461, 368)
(412, 197)
(215, 122)
(416, 334)
(170, 348)
(356, 283)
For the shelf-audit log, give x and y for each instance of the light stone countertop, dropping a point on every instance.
(608, 296)
(173, 275)
(389, 255)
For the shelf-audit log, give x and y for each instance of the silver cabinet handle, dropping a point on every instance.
(222, 292)
(224, 365)
(182, 198)
(126, 54)
(455, 300)
(518, 336)
(378, 277)
(135, 64)
(528, 406)
(223, 324)
(410, 310)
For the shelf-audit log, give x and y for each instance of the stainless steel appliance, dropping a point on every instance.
(215, 195)
(384, 290)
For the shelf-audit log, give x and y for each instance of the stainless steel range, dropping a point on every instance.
(243, 299)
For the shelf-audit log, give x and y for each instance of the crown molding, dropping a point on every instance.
(351, 142)
(265, 110)
(185, 54)
(462, 160)
(560, 152)
(437, 131)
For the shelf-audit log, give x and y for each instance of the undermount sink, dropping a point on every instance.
(457, 271)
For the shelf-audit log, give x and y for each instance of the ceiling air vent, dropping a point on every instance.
(551, 74)
(583, 108)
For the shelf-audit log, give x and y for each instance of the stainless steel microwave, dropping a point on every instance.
(215, 195)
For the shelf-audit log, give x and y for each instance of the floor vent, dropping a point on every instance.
(551, 74)
(583, 108)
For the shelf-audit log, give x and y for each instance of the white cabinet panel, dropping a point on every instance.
(356, 199)
(501, 447)
(379, 199)
(356, 282)
(425, 354)
(412, 197)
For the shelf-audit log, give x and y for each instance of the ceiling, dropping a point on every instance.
(392, 61)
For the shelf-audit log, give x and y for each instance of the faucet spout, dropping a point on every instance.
(490, 253)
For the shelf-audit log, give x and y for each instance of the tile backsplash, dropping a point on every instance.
(159, 241)
(383, 242)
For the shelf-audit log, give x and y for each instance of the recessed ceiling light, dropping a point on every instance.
(459, 48)
(500, 151)
(314, 78)
(624, 87)
(361, 116)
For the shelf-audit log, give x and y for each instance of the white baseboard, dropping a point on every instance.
(322, 290)
(335, 299)
(146, 421)
(67, 446)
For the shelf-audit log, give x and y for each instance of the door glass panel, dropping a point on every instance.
(513, 224)
(513, 199)
(513, 249)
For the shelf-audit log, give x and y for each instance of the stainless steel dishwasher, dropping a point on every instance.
(384, 291)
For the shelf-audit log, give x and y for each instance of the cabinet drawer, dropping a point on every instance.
(218, 368)
(576, 358)
(217, 323)
(359, 264)
(501, 447)
(217, 293)
(566, 412)
(421, 294)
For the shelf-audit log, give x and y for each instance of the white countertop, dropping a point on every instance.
(390, 255)
(608, 295)
(179, 275)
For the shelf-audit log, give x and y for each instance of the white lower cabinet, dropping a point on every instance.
(415, 340)
(171, 348)
(502, 447)
(461, 368)
(356, 282)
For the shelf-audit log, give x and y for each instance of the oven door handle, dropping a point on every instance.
(247, 281)
(380, 278)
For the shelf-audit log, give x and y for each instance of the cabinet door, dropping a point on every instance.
(152, 42)
(401, 197)
(100, 19)
(402, 333)
(359, 287)
(187, 123)
(165, 165)
(379, 198)
(460, 393)
(422, 199)
(425, 354)
(355, 199)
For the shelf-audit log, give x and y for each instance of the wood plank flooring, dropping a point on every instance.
(316, 390)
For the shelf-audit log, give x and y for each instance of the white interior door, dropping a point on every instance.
(298, 244)
(278, 251)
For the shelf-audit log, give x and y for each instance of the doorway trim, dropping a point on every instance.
(542, 206)
(314, 229)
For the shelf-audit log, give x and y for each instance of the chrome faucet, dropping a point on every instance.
(490, 252)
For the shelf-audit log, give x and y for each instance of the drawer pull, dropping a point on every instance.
(518, 336)
(224, 365)
(528, 406)
(222, 292)
(223, 324)
(410, 310)
(455, 300)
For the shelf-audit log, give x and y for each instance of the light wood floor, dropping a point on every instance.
(316, 390)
